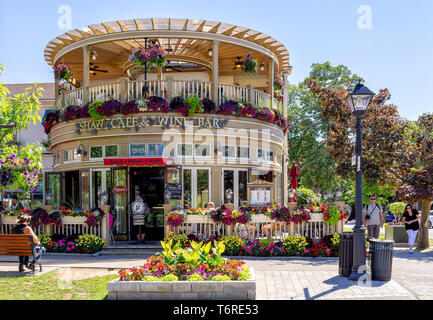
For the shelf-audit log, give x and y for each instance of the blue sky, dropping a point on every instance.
(396, 53)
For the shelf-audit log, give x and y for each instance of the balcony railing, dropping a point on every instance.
(167, 89)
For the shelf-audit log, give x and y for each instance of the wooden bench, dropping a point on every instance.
(19, 245)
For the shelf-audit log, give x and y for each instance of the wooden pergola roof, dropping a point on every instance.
(186, 39)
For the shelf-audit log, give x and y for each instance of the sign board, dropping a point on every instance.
(120, 189)
(173, 191)
(260, 193)
(138, 217)
(135, 161)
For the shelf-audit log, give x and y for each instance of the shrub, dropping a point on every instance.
(150, 278)
(303, 195)
(88, 243)
(295, 245)
(245, 274)
(220, 277)
(397, 209)
(208, 105)
(93, 109)
(194, 106)
(44, 239)
(178, 104)
(233, 244)
(194, 277)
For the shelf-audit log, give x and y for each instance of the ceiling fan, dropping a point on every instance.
(238, 64)
(168, 66)
(93, 69)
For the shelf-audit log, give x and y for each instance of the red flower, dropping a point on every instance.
(22, 210)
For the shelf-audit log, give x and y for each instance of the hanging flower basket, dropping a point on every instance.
(154, 57)
(62, 72)
(278, 83)
(249, 65)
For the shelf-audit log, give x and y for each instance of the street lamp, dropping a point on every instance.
(358, 100)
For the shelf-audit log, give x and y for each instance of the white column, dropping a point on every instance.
(86, 77)
(285, 157)
(215, 70)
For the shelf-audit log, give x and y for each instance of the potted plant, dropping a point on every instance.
(62, 72)
(249, 65)
(396, 230)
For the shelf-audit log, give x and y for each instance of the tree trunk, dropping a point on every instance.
(423, 234)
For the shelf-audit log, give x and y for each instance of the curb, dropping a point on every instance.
(72, 254)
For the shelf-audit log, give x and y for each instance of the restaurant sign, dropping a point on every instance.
(135, 161)
(148, 121)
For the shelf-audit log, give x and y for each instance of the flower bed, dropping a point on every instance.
(86, 244)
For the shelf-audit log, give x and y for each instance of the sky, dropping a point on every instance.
(388, 43)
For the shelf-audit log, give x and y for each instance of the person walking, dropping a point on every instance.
(22, 227)
(373, 218)
(410, 219)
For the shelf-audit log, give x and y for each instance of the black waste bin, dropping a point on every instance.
(345, 254)
(381, 253)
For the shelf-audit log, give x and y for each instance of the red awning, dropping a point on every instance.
(136, 162)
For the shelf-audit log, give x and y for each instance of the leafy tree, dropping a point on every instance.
(309, 129)
(416, 164)
(19, 165)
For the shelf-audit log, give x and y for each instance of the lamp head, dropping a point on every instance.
(359, 99)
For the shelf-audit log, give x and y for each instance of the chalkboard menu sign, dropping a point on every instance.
(173, 191)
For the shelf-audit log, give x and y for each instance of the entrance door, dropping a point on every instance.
(100, 193)
(235, 186)
(150, 182)
(196, 187)
(119, 203)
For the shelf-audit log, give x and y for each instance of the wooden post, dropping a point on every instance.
(271, 82)
(105, 225)
(285, 158)
(252, 95)
(123, 90)
(215, 71)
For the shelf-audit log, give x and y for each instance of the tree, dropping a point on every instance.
(309, 129)
(19, 166)
(416, 166)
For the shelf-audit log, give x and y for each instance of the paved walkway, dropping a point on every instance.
(294, 278)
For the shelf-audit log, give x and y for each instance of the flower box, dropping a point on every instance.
(260, 218)
(192, 218)
(74, 220)
(396, 233)
(8, 219)
(316, 216)
(183, 290)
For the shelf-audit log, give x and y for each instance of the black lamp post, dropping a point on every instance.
(358, 100)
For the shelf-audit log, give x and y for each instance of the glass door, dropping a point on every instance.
(100, 187)
(53, 189)
(235, 186)
(196, 187)
(119, 205)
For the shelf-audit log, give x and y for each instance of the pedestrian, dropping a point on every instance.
(16, 205)
(373, 218)
(22, 227)
(410, 219)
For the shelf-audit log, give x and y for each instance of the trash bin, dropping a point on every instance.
(381, 252)
(345, 254)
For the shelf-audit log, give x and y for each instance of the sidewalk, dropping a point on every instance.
(292, 278)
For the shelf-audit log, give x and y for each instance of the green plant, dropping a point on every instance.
(233, 244)
(245, 274)
(295, 245)
(182, 239)
(335, 242)
(220, 277)
(194, 106)
(397, 209)
(169, 277)
(93, 109)
(89, 243)
(44, 239)
(332, 216)
(195, 277)
(150, 278)
(266, 242)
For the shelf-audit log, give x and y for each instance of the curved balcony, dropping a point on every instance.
(125, 90)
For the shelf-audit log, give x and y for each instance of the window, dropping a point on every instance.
(202, 150)
(111, 151)
(265, 155)
(229, 152)
(95, 152)
(235, 186)
(136, 150)
(196, 187)
(184, 150)
(155, 149)
(244, 152)
(65, 156)
(75, 155)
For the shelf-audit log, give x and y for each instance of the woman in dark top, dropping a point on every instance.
(410, 219)
(22, 227)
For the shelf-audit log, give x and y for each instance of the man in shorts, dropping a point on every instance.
(372, 217)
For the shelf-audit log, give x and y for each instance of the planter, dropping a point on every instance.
(183, 290)
(192, 218)
(260, 218)
(316, 216)
(8, 219)
(396, 233)
(74, 220)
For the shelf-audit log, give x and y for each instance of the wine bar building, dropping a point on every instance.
(204, 123)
